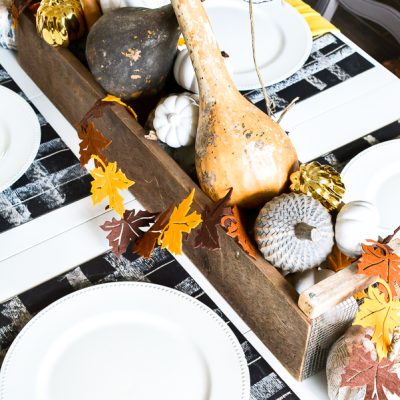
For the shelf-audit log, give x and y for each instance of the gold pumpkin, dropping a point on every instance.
(237, 145)
(60, 21)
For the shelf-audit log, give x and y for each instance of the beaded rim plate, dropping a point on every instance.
(19, 137)
(123, 341)
(283, 39)
(374, 175)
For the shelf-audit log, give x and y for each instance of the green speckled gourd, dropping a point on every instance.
(130, 50)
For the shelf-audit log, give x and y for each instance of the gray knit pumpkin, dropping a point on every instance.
(294, 232)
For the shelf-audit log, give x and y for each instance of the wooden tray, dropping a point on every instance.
(254, 288)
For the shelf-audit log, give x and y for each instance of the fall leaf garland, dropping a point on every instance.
(379, 260)
(167, 228)
(235, 229)
(207, 236)
(127, 230)
(380, 314)
(107, 181)
(380, 310)
(374, 374)
(92, 143)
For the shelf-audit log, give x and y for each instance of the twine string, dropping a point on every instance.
(268, 102)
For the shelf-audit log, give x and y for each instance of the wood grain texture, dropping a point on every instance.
(255, 289)
(332, 291)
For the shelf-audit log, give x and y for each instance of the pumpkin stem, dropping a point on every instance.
(304, 231)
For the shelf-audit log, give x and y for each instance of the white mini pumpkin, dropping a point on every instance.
(175, 120)
(7, 30)
(107, 5)
(184, 72)
(305, 279)
(356, 222)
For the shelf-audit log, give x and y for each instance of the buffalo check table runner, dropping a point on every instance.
(162, 269)
(331, 62)
(54, 179)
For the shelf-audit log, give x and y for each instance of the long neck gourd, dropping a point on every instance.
(237, 145)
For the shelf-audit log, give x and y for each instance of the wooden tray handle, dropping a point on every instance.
(332, 291)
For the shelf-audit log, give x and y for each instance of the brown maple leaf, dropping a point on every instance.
(18, 7)
(379, 260)
(207, 236)
(92, 143)
(362, 371)
(235, 229)
(144, 246)
(127, 230)
(96, 111)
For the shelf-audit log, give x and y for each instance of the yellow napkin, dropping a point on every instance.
(317, 23)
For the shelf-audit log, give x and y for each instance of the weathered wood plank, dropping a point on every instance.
(255, 289)
(332, 291)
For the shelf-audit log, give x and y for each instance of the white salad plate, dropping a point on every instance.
(19, 137)
(283, 39)
(374, 176)
(125, 341)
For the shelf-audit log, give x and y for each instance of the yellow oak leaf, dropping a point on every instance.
(107, 181)
(381, 315)
(114, 99)
(179, 222)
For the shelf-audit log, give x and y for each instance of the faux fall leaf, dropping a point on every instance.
(18, 7)
(235, 229)
(127, 229)
(362, 371)
(107, 181)
(179, 222)
(337, 260)
(379, 260)
(381, 315)
(207, 236)
(144, 246)
(113, 99)
(92, 143)
(95, 112)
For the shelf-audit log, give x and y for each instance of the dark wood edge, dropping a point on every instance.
(255, 289)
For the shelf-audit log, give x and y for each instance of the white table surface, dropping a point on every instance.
(41, 249)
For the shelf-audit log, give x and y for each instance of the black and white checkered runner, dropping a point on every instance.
(331, 62)
(161, 269)
(53, 180)
(339, 157)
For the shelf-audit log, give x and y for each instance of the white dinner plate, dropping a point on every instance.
(374, 176)
(283, 39)
(19, 137)
(125, 341)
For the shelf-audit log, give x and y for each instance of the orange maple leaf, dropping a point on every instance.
(235, 229)
(379, 260)
(179, 222)
(337, 260)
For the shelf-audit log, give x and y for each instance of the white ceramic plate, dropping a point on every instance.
(19, 137)
(283, 39)
(125, 341)
(374, 176)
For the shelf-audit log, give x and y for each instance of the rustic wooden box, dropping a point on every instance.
(255, 289)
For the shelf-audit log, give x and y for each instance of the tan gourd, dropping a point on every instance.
(237, 145)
